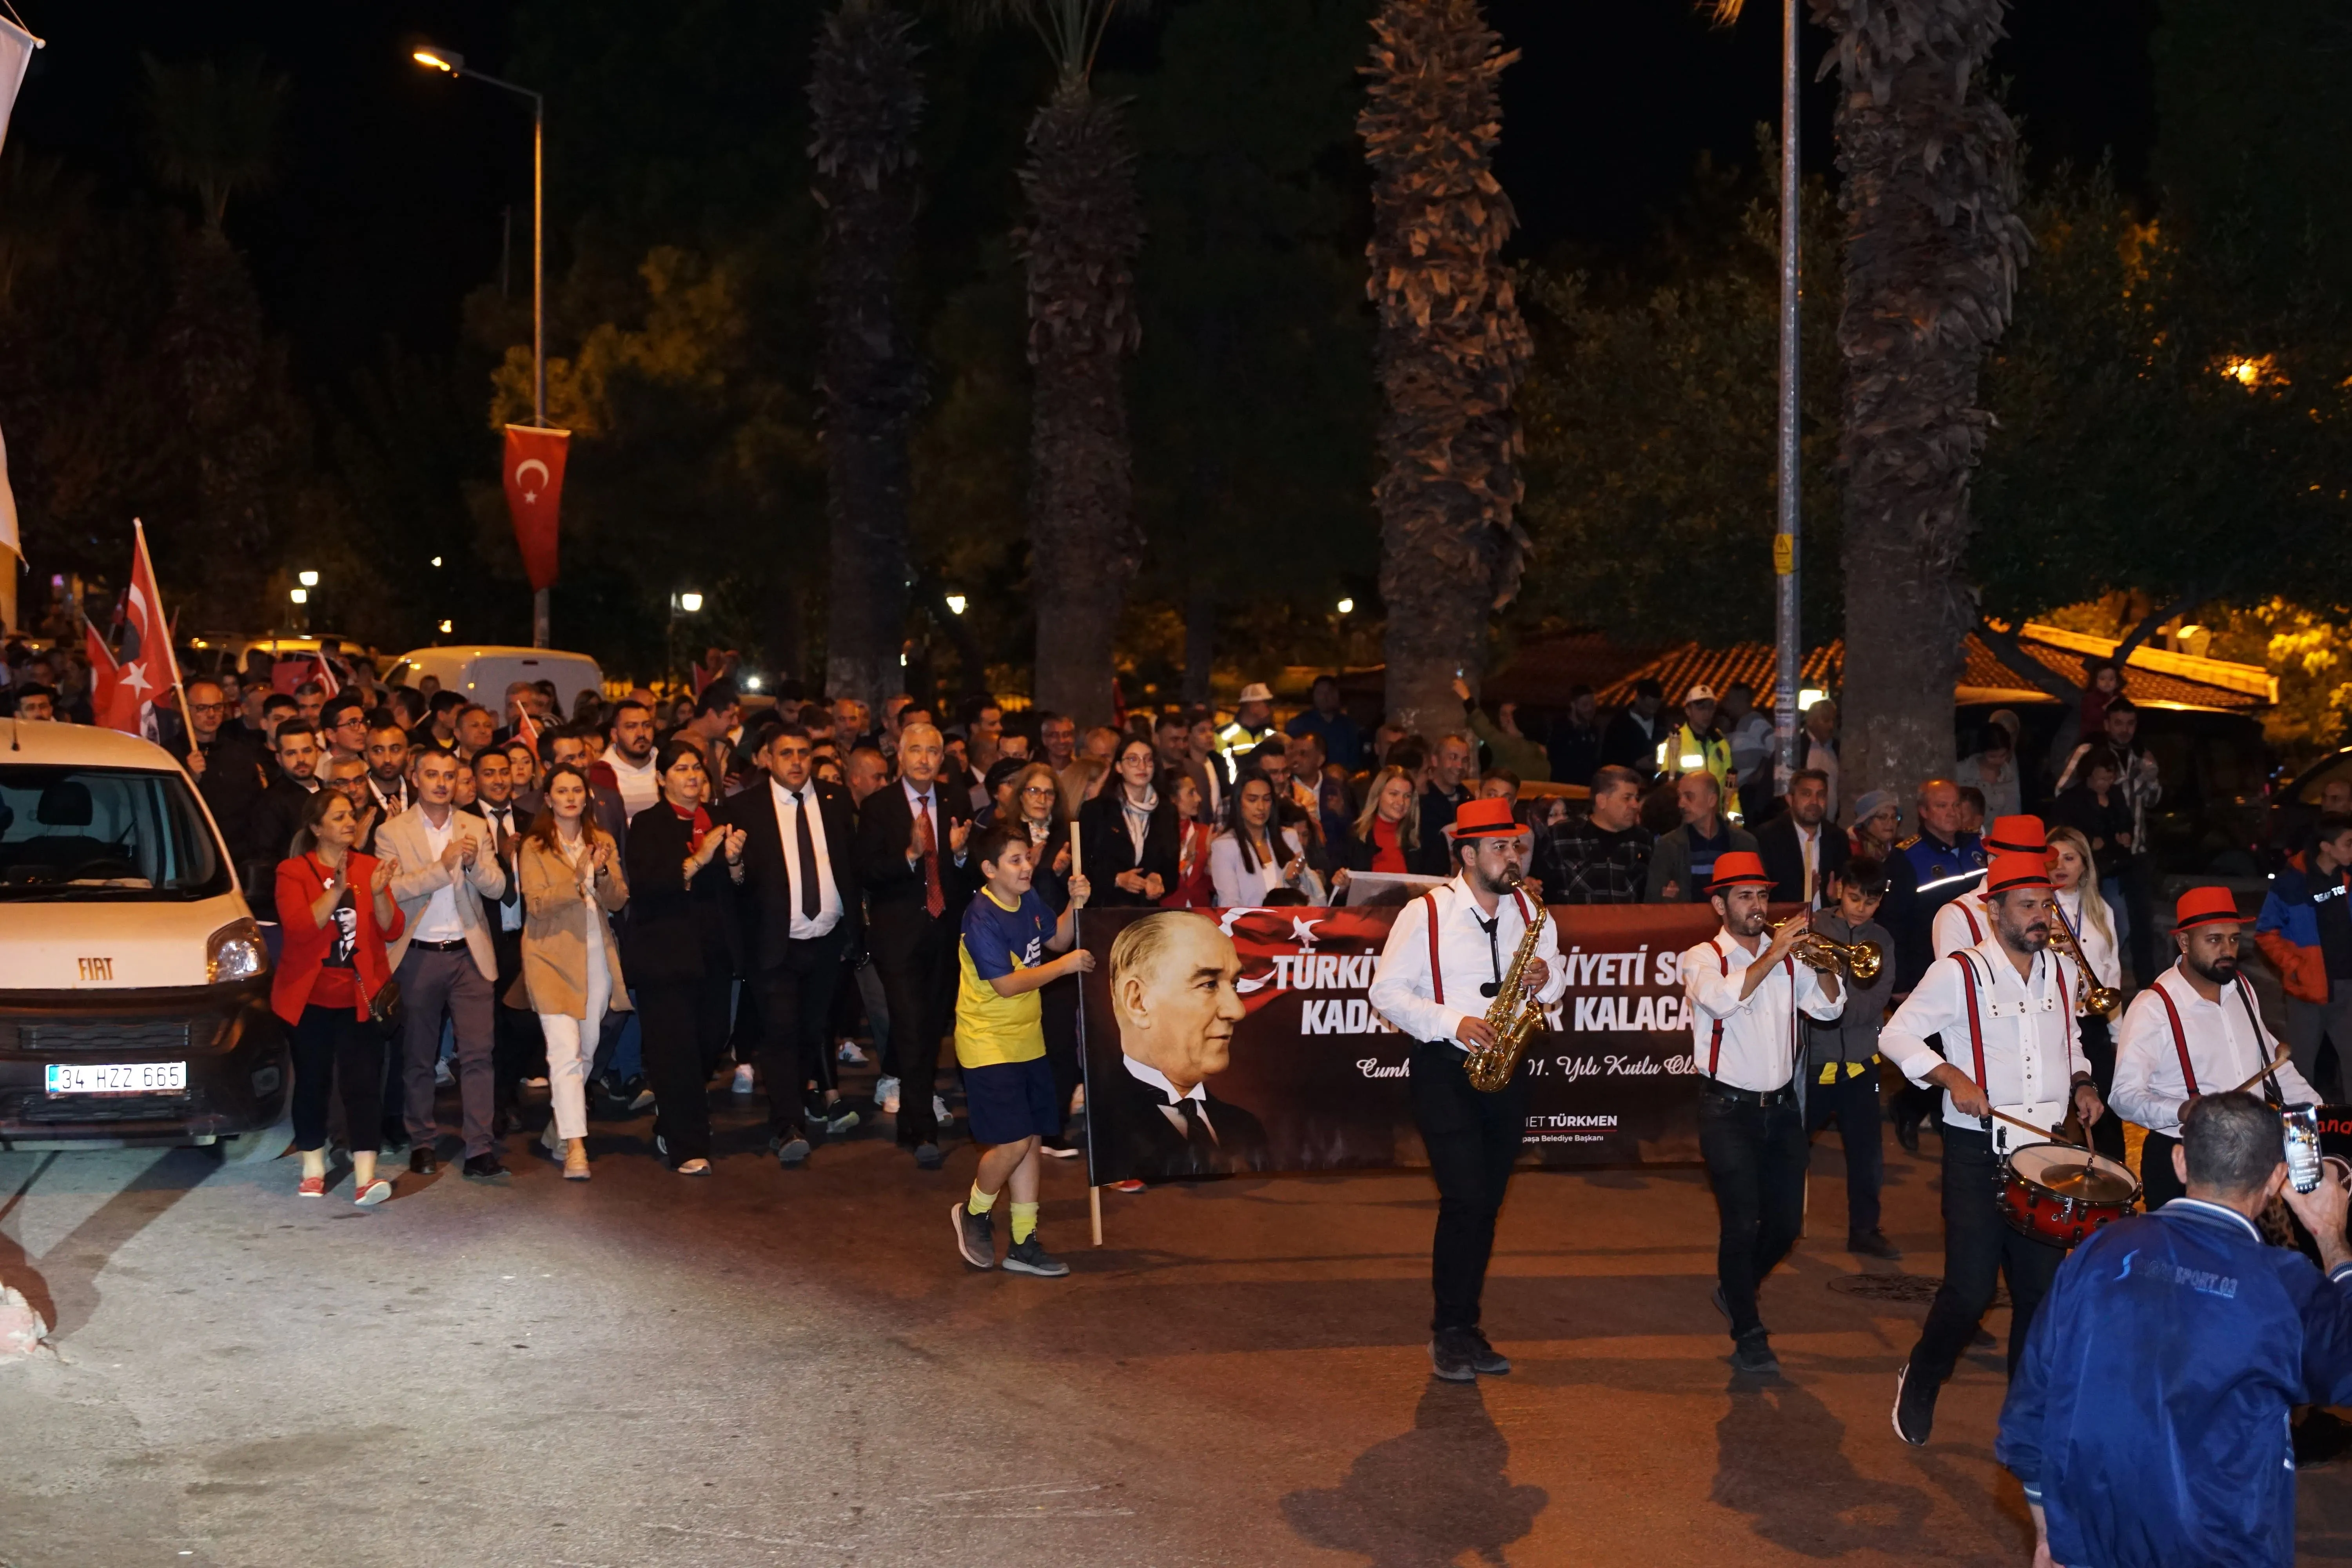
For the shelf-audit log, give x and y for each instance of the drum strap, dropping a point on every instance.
(1436, 973)
(2180, 1038)
(2270, 1080)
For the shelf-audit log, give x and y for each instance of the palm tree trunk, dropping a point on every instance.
(867, 102)
(1932, 247)
(1085, 227)
(1450, 352)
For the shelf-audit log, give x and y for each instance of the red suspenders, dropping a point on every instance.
(1976, 1023)
(1714, 1046)
(1976, 931)
(1436, 975)
(2180, 1035)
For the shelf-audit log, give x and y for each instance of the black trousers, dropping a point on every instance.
(1852, 1104)
(2099, 1049)
(682, 1024)
(2158, 1184)
(516, 1050)
(795, 1005)
(1755, 1158)
(918, 964)
(1473, 1140)
(1979, 1248)
(332, 1047)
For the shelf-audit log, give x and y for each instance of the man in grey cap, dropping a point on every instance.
(1877, 823)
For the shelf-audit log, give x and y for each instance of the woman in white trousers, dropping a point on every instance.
(571, 885)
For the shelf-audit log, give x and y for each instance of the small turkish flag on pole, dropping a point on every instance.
(147, 667)
(534, 482)
(102, 673)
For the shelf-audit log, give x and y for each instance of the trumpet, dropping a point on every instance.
(2096, 998)
(1856, 961)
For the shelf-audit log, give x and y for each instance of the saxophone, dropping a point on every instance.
(1513, 1015)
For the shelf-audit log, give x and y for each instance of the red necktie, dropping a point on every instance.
(934, 899)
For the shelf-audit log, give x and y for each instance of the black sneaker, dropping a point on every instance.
(1485, 1359)
(1028, 1257)
(1914, 1407)
(928, 1157)
(485, 1168)
(1453, 1356)
(1724, 1306)
(791, 1152)
(976, 1237)
(1871, 1244)
(1752, 1353)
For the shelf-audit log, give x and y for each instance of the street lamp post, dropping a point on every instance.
(1789, 651)
(454, 63)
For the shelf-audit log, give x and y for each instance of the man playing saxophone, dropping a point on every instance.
(1745, 989)
(1444, 969)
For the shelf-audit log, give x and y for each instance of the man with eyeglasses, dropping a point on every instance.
(228, 768)
(342, 729)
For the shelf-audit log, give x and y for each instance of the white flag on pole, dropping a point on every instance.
(16, 47)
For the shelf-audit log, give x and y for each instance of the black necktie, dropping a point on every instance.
(804, 845)
(1196, 1130)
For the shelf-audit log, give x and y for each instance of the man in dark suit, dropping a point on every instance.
(1172, 992)
(912, 860)
(228, 768)
(278, 813)
(516, 1050)
(800, 902)
(1801, 849)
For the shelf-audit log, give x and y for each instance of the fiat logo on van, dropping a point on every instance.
(97, 969)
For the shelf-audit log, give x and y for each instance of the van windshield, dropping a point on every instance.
(105, 834)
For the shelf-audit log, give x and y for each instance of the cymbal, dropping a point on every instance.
(2086, 1182)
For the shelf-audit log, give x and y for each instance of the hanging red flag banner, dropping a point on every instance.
(534, 482)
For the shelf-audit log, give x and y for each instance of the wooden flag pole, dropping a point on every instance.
(1094, 1204)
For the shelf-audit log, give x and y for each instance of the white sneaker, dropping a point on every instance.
(442, 1076)
(849, 1055)
(885, 1095)
(940, 1112)
(743, 1078)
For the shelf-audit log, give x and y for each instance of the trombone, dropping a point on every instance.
(2096, 998)
(1856, 961)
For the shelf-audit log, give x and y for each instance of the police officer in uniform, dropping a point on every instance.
(1925, 872)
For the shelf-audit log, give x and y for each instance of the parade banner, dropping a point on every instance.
(1265, 1010)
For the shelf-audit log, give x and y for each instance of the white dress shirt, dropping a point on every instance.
(1760, 1046)
(1239, 887)
(439, 922)
(1962, 922)
(1469, 957)
(2098, 945)
(640, 784)
(788, 804)
(504, 818)
(2227, 1041)
(2032, 1050)
(926, 802)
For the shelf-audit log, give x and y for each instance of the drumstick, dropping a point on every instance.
(2285, 1055)
(2020, 1121)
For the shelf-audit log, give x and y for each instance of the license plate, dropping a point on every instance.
(117, 1078)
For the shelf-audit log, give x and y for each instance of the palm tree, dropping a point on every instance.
(1084, 229)
(215, 129)
(1933, 243)
(1450, 352)
(867, 102)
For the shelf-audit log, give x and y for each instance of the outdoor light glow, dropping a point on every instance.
(956, 602)
(2253, 372)
(751, 683)
(902, 661)
(437, 561)
(435, 58)
(1346, 606)
(1807, 696)
(690, 602)
(300, 596)
(446, 628)
(308, 579)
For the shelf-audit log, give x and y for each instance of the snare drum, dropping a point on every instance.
(2060, 1194)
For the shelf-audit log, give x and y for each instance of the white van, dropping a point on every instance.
(484, 673)
(134, 983)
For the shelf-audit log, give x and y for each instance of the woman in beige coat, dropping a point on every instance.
(570, 876)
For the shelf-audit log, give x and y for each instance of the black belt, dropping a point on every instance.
(1736, 1096)
(438, 946)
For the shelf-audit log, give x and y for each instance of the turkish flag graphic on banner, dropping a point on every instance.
(146, 669)
(534, 482)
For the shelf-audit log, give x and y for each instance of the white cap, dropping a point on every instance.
(1699, 693)
(1256, 691)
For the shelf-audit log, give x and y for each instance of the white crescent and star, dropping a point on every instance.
(522, 468)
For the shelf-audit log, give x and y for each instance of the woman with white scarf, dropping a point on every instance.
(1127, 833)
(1255, 855)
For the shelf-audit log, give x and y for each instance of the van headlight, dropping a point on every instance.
(234, 952)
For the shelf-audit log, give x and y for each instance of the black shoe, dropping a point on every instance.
(928, 1157)
(791, 1153)
(1914, 1407)
(1871, 1244)
(1906, 1132)
(501, 1123)
(1752, 1353)
(485, 1168)
(1485, 1359)
(1724, 1307)
(1451, 1356)
(1028, 1257)
(2321, 1437)
(421, 1160)
(975, 1237)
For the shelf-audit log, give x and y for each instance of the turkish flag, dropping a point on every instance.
(534, 482)
(146, 667)
(101, 668)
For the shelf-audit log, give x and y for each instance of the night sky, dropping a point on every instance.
(389, 207)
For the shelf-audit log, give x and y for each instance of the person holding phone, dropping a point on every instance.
(1252, 856)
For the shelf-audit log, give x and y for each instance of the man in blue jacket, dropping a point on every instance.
(2149, 1419)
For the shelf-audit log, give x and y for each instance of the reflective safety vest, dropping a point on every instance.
(1683, 751)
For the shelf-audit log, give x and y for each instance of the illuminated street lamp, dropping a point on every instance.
(1346, 606)
(956, 602)
(454, 64)
(690, 602)
(308, 579)
(300, 596)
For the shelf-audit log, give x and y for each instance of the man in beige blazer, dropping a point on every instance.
(445, 961)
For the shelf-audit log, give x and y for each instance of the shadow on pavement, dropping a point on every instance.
(62, 1283)
(1780, 1460)
(1425, 1497)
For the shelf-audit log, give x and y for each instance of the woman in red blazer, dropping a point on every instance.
(330, 965)
(1192, 888)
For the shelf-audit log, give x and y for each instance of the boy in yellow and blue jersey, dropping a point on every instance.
(1000, 1038)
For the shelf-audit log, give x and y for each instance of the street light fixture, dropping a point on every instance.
(1346, 606)
(956, 602)
(308, 579)
(690, 602)
(453, 63)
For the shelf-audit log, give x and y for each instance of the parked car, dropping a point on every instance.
(484, 673)
(134, 1001)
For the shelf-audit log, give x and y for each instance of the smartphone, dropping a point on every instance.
(2302, 1168)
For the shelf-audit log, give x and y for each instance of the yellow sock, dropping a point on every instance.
(979, 1201)
(1024, 1222)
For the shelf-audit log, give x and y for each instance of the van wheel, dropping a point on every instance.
(258, 1148)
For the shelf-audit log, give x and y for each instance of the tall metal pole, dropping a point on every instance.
(539, 627)
(1790, 650)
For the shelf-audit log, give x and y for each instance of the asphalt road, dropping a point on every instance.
(772, 1368)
